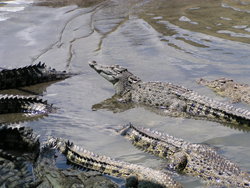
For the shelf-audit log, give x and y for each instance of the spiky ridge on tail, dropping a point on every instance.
(198, 105)
(30, 75)
(194, 159)
(23, 104)
(14, 170)
(81, 157)
(19, 138)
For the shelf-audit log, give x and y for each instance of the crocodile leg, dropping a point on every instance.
(171, 99)
(192, 159)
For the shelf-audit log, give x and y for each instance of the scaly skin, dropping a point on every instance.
(30, 75)
(50, 176)
(23, 104)
(106, 165)
(19, 138)
(172, 99)
(192, 159)
(14, 169)
(25, 146)
(228, 88)
(26, 76)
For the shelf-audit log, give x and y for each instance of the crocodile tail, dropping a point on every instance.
(203, 106)
(23, 104)
(88, 160)
(209, 154)
(14, 170)
(19, 138)
(30, 75)
(148, 142)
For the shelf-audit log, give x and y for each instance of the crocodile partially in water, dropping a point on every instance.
(191, 159)
(27, 76)
(226, 87)
(14, 169)
(23, 104)
(171, 99)
(30, 75)
(184, 157)
(16, 141)
(20, 149)
(80, 156)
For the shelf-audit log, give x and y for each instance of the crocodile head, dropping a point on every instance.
(119, 76)
(218, 84)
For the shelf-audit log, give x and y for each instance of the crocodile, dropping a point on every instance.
(197, 160)
(106, 165)
(30, 75)
(15, 141)
(49, 175)
(226, 87)
(172, 100)
(23, 104)
(21, 141)
(20, 148)
(27, 76)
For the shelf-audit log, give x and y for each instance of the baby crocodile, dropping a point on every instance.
(229, 88)
(172, 99)
(192, 159)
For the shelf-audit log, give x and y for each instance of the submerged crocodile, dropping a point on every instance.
(14, 169)
(229, 88)
(191, 159)
(171, 99)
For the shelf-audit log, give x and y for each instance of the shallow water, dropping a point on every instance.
(174, 41)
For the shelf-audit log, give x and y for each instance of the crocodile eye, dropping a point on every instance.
(132, 80)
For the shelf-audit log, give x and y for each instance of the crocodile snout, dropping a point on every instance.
(92, 63)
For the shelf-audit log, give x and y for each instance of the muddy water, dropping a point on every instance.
(174, 41)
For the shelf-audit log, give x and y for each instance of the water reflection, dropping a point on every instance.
(221, 18)
(18, 118)
(62, 3)
(174, 41)
(112, 104)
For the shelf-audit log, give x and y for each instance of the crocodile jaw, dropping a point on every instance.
(120, 77)
(110, 73)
